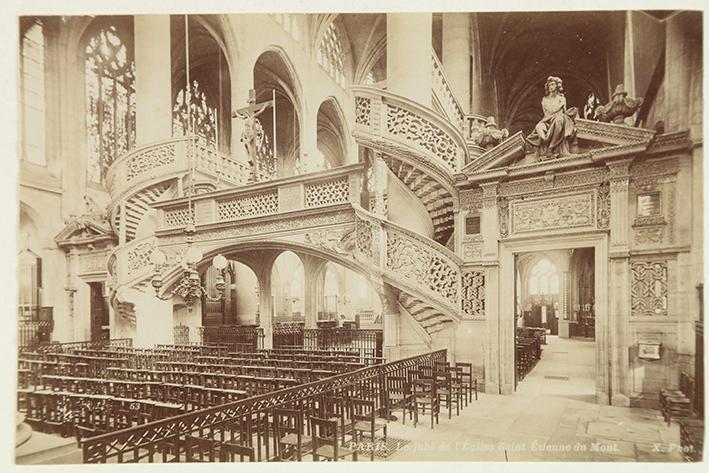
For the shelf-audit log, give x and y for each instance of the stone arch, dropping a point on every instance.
(332, 132)
(274, 70)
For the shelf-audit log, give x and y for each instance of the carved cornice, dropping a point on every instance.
(611, 133)
(507, 151)
(677, 141)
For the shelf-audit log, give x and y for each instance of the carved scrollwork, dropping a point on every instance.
(151, 158)
(648, 291)
(423, 134)
(603, 205)
(473, 293)
(503, 214)
(139, 256)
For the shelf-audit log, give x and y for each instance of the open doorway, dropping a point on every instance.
(555, 322)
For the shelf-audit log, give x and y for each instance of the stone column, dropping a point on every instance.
(409, 40)
(456, 56)
(312, 267)
(265, 307)
(492, 344)
(391, 321)
(618, 283)
(153, 78)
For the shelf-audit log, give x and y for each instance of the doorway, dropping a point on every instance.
(99, 311)
(533, 287)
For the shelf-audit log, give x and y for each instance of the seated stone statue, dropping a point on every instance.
(553, 134)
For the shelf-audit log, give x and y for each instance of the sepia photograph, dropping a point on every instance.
(359, 236)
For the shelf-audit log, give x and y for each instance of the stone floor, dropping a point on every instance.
(549, 418)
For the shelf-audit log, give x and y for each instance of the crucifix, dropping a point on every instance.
(249, 136)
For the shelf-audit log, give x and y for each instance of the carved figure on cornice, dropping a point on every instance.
(553, 134)
(489, 135)
(589, 109)
(619, 108)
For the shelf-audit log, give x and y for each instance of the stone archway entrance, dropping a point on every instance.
(501, 335)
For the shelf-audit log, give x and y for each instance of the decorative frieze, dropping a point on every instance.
(92, 263)
(571, 211)
(473, 294)
(648, 289)
(472, 251)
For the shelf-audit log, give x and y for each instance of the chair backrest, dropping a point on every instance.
(397, 384)
(333, 406)
(362, 410)
(467, 368)
(324, 432)
(288, 421)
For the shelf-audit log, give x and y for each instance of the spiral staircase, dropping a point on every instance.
(424, 148)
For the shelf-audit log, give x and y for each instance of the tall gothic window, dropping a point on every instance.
(331, 54)
(110, 99)
(201, 116)
(544, 278)
(32, 77)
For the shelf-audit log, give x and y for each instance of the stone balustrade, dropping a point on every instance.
(131, 262)
(395, 124)
(279, 196)
(421, 264)
(141, 166)
(443, 93)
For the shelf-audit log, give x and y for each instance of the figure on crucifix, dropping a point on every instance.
(252, 134)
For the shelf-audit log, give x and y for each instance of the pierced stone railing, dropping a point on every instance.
(443, 94)
(395, 124)
(131, 262)
(172, 157)
(410, 259)
(307, 191)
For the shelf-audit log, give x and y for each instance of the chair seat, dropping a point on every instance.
(397, 396)
(292, 439)
(366, 426)
(329, 451)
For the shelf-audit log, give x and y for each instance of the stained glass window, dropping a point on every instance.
(33, 93)
(331, 54)
(201, 118)
(544, 278)
(110, 100)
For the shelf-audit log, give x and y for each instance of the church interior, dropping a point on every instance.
(465, 236)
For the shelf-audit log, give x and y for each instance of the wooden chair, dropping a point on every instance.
(447, 392)
(326, 441)
(470, 384)
(289, 434)
(197, 448)
(362, 413)
(334, 408)
(399, 396)
(426, 397)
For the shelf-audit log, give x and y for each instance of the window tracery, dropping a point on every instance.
(331, 54)
(201, 116)
(109, 72)
(544, 278)
(32, 77)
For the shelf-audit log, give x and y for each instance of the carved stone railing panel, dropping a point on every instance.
(472, 299)
(335, 191)
(177, 217)
(137, 257)
(395, 124)
(444, 94)
(264, 203)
